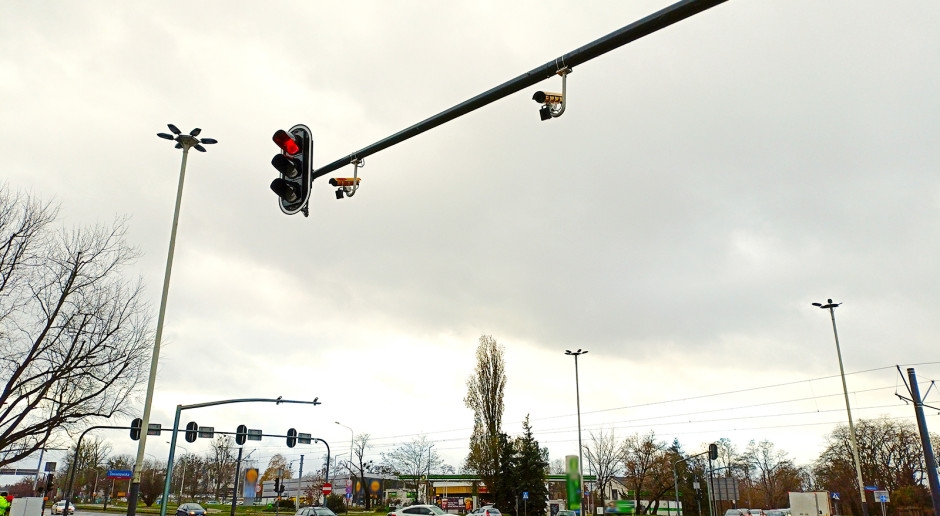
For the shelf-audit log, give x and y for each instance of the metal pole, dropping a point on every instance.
(42, 451)
(711, 487)
(351, 438)
(176, 427)
(675, 480)
(238, 470)
(300, 476)
(169, 463)
(848, 408)
(929, 458)
(68, 489)
(636, 30)
(179, 499)
(155, 357)
(577, 390)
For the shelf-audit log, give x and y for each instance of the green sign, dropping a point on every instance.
(573, 483)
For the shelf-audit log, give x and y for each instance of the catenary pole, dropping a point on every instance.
(929, 458)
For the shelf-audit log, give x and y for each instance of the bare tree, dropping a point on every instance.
(485, 390)
(774, 475)
(359, 466)
(74, 337)
(221, 464)
(604, 458)
(415, 458)
(91, 459)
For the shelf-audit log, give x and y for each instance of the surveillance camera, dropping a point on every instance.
(339, 193)
(545, 112)
(548, 97)
(344, 181)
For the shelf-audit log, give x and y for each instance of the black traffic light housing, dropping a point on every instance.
(291, 438)
(192, 430)
(295, 164)
(241, 434)
(277, 485)
(712, 451)
(136, 425)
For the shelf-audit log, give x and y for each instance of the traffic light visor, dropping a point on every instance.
(286, 142)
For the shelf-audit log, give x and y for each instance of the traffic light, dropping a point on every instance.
(295, 164)
(50, 481)
(241, 433)
(291, 438)
(192, 430)
(136, 425)
(277, 485)
(712, 451)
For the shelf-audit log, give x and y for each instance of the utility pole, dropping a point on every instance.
(929, 459)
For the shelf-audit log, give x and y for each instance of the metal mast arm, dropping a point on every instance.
(636, 30)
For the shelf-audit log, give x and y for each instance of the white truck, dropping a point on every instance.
(813, 503)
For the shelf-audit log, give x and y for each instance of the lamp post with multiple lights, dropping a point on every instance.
(829, 305)
(577, 391)
(185, 142)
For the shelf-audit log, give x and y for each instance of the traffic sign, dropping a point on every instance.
(327, 488)
(120, 473)
(882, 496)
(835, 496)
(525, 495)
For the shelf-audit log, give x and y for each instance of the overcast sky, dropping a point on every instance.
(704, 186)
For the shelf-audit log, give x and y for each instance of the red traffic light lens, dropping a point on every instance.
(286, 142)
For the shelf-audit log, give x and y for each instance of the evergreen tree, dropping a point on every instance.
(530, 468)
(506, 484)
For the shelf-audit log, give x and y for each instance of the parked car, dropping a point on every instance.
(190, 509)
(418, 510)
(489, 510)
(59, 507)
(314, 511)
(737, 512)
(567, 513)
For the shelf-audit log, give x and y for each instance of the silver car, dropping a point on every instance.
(418, 510)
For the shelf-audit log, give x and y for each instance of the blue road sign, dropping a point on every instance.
(525, 495)
(835, 496)
(120, 473)
(872, 488)
(882, 498)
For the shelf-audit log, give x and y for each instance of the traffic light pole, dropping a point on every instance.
(78, 448)
(636, 30)
(176, 425)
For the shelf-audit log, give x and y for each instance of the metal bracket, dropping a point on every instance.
(558, 109)
(357, 163)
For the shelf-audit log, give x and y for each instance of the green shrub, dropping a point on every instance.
(335, 503)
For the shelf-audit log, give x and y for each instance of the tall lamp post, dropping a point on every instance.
(179, 499)
(829, 305)
(185, 142)
(577, 393)
(349, 468)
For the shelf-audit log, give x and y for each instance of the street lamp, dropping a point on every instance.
(179, 499)
(577, 391)
(348, 468)
(848, 409)
(185, 142)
